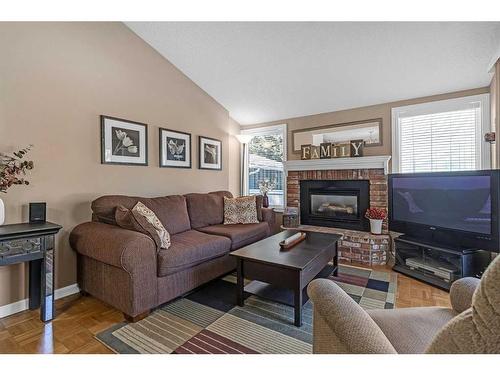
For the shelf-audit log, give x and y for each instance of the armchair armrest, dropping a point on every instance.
(115, 246)
(269, 216)
(461, 293)
(340, 325)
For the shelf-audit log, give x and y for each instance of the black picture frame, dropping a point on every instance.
(202, 164)
(162, 150)
(107, 156)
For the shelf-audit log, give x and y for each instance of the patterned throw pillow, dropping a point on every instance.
(151, 224)
(242, 210)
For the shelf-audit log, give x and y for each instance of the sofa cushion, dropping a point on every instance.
(190, 248)
(239, 234)
(206, 209)
(259, 200)
(171, 210)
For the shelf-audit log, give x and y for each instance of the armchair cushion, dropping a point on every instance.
(347, 327)
(477, 329)
(461, 293)
(411, 330)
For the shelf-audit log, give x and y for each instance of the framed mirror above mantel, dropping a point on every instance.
(368, 130)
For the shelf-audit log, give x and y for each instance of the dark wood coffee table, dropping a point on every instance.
(291, 269)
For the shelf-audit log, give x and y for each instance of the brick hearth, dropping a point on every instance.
(355, 246)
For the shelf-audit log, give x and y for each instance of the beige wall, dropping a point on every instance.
(55, 81)
(382, 111)
(234, 157)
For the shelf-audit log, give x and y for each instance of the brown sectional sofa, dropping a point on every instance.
(126, 270)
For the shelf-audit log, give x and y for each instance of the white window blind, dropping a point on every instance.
(441, 136)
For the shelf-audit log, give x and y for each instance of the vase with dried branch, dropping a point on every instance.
(265, 186)
(13, 169)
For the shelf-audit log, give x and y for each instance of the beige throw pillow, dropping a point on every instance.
(151, 224)
(242, 210)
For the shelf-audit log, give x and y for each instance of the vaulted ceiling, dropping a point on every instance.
(269, 71)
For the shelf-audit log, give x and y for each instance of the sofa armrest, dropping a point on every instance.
(461, 293)
(115, 246)
(269, 216)
(340, 325)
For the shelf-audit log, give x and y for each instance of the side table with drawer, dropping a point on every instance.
(33, 243)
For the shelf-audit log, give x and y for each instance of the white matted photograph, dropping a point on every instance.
(123, 141)
(210, 153)
(175, 149)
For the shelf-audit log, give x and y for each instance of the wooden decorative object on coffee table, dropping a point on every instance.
(286, 246)
(267, 265)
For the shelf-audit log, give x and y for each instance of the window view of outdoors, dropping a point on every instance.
(266, 164)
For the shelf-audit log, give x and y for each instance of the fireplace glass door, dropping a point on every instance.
(336, 205)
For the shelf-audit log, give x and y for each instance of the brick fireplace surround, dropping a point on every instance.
(356, 247)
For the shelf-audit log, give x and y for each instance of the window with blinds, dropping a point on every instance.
(439, 136)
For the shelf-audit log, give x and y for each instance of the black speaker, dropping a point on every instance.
(37, 212)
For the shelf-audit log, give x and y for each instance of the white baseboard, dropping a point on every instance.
(67, 291)
(22, 305)
(13, 308)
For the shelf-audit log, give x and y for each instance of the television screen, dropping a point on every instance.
(452, 202)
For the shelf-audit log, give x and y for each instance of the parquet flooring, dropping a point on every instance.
(79, 318)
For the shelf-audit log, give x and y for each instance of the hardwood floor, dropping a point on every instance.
(79, 318)
(72, 331)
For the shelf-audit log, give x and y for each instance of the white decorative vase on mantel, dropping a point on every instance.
(2, 212)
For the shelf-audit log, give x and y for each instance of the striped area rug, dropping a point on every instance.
(207, 321)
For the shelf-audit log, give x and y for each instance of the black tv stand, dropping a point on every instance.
(436, 264)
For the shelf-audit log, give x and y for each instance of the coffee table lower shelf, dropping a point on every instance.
(289, 291)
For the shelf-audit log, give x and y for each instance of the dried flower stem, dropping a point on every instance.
(12, 166)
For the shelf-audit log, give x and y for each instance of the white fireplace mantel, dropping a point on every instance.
(362, 162)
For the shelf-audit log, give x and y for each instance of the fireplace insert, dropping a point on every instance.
(335, 203)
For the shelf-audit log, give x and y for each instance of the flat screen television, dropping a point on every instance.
(458, 209)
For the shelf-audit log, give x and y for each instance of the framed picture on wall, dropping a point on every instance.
(175, 149)
(370, 131)
(123, 141)
(210, 153)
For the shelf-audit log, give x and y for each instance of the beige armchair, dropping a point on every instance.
(472, 325)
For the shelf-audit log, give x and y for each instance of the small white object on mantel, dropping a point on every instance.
(362, 162)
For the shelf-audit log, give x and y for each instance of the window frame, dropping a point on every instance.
(260, 131)
(483, 149)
